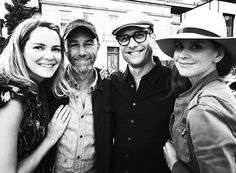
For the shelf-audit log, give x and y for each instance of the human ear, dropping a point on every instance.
(220, 53)
(98, 46)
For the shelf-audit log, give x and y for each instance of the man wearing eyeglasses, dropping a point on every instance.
(140, 98)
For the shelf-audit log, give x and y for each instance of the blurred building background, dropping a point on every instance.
(166, 14)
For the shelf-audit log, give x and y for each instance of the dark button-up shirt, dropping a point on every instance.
(142, 119)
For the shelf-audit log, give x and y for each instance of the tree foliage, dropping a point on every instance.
(17, 11)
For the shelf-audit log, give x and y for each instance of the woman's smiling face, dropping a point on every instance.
(196, 58)
(42, 53)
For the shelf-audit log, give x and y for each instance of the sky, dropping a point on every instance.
(2, 7)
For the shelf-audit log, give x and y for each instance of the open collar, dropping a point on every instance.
(74, 84)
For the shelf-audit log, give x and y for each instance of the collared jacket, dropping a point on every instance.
(102, 123)
(207, 113)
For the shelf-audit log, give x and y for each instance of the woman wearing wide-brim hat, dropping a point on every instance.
(203, 124)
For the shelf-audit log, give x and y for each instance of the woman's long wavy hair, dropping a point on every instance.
(12, 63)
(180, 84)
(63, 88)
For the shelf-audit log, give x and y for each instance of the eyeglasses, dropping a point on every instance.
(138, 36)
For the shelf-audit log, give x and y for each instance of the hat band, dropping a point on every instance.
(197, 31)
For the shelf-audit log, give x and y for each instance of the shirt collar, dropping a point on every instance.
(94, 84)
(202, 82)
(152, 76)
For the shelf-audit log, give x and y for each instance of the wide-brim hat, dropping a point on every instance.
(207, 25)
(133, 18)
(77, 24)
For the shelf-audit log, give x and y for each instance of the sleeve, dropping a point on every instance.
(9, 92)
(213, 142)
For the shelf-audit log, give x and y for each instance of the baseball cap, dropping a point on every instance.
(80, 23)
(133, 18)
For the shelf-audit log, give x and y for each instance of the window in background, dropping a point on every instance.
(65, 18)
(174, 28)
(113, 19)
(175, 22)
(88, 16)
(229, 19)
(63, 25)
(113, 58)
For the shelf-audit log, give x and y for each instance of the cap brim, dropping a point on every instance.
(115, 31)
(79, 26)
(167, 45)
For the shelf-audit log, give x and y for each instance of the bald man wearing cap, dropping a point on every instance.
(86, 145)
(140, 100)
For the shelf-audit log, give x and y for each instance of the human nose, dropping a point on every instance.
(81, 51)
(49, 54)
(182, 54)
(132, 42)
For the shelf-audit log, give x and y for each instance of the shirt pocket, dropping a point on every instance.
(64, 160)
(64, 163)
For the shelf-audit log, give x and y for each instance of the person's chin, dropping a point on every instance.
(185, 73)
(136, 64)
(47, 75)
(84, 70)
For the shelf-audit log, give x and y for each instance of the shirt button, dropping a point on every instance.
(82, 116)
(129, 138)
(134, 104)
(132, 86)
(78, 157)
(132, 121)
(81, 136)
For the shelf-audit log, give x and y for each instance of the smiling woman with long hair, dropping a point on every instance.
(31, 60)
(203, 124)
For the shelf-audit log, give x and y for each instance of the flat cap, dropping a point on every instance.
(132, 19)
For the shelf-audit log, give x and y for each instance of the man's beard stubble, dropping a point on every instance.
(83, 69)
(83, 65)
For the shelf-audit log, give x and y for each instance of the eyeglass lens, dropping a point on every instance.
(139, 37)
